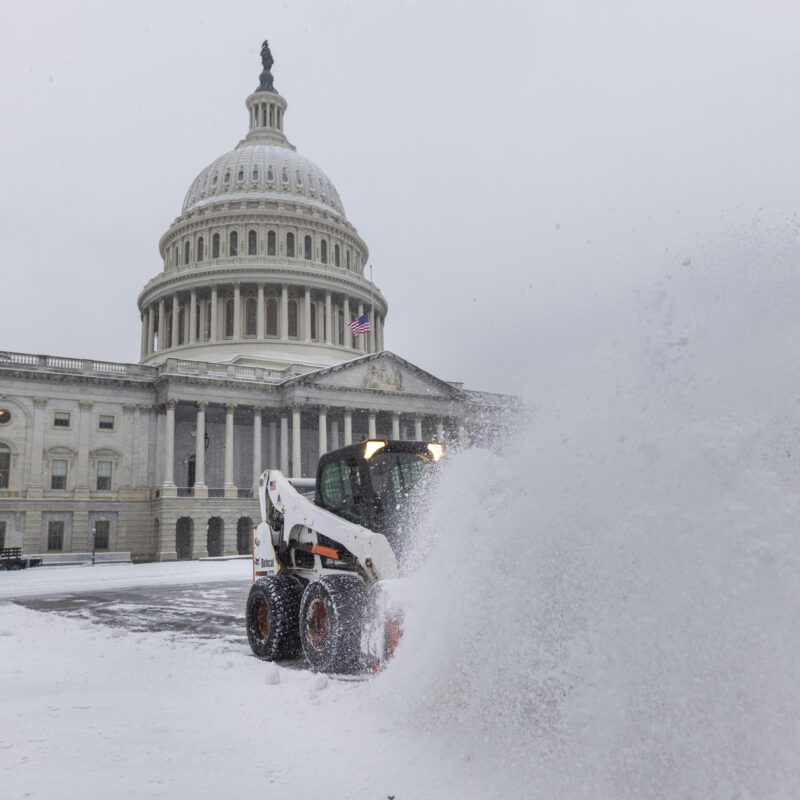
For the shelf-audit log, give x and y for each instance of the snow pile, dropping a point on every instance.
(612, 608)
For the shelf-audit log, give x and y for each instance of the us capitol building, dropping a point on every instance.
(247, 362)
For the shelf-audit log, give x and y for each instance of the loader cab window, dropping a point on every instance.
(341, 490)
(394, 477)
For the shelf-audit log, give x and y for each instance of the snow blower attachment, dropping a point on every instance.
(324, 566)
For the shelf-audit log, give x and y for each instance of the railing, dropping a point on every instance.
(239, 371)
(244, 492)
(216, 492)
(84, 366)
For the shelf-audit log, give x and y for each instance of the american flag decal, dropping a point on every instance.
(272, 486)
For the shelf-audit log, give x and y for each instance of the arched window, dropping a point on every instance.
(252, 242)
(347, 258)
(270, 174)
(181, 324)
(187, 251)
(336, 258)
(298, 178)
(234, 244)
(272, 316)
(255, 174)
(271, 243)
(290, 245)
(284, 176)
(240, 176)
(227, 178)
(229, 318)
(250, 316)
(200, 248)
(314, 321)
(5, 465)
(214, 180)
(307, 246)
(215, 246)
(323, 251)
(292, 317)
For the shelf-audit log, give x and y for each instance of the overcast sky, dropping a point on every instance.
(494, 156)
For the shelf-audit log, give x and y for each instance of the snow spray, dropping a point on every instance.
(608, 603)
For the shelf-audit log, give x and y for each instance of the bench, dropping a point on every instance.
(12, 558)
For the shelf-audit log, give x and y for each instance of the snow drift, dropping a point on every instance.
(610, 607)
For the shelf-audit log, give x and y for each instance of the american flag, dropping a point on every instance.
(360, 325)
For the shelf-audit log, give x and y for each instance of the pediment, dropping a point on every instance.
(383, 372)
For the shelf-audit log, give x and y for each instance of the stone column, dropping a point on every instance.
(462, 434)
(192, 338)
(395, 424)
(168, 487)
(272, 455)
(200, 488)
(260, 312)
(307, 316)
(379, 323)
(334, 434)
(35, 478)
(297, 466)
(284, 313)
(328, 319)
(162, 325)
(257, 410)
(284, 442)
(173, 342)
(361, 340)
(214, 303)
(371, 432)
(125, 474)
(237, 311)
(143, 345)
(440, 428)
(323, 430)
(84, 435)
(230, 486)
(348, 426)
(151, 329)
(418, 427)
(348, 334)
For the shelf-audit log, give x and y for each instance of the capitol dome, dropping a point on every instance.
(262, 266)
(264, 170)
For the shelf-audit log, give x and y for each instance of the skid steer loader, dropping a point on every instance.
(323, 564)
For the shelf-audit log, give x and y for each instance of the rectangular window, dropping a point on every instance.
(61, 419)
(2, 534)
(55, 535)
(58, 474)
(106, 422)
(103, 476)
(102, 530)
(5, 465)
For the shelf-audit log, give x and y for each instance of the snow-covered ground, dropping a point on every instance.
(89, 711)
(50, 580)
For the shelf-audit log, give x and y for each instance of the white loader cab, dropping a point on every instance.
(321, 561)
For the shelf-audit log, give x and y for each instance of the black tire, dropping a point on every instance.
(273, 606)
(331, 619)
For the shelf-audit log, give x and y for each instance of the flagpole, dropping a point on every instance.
(372, 306)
